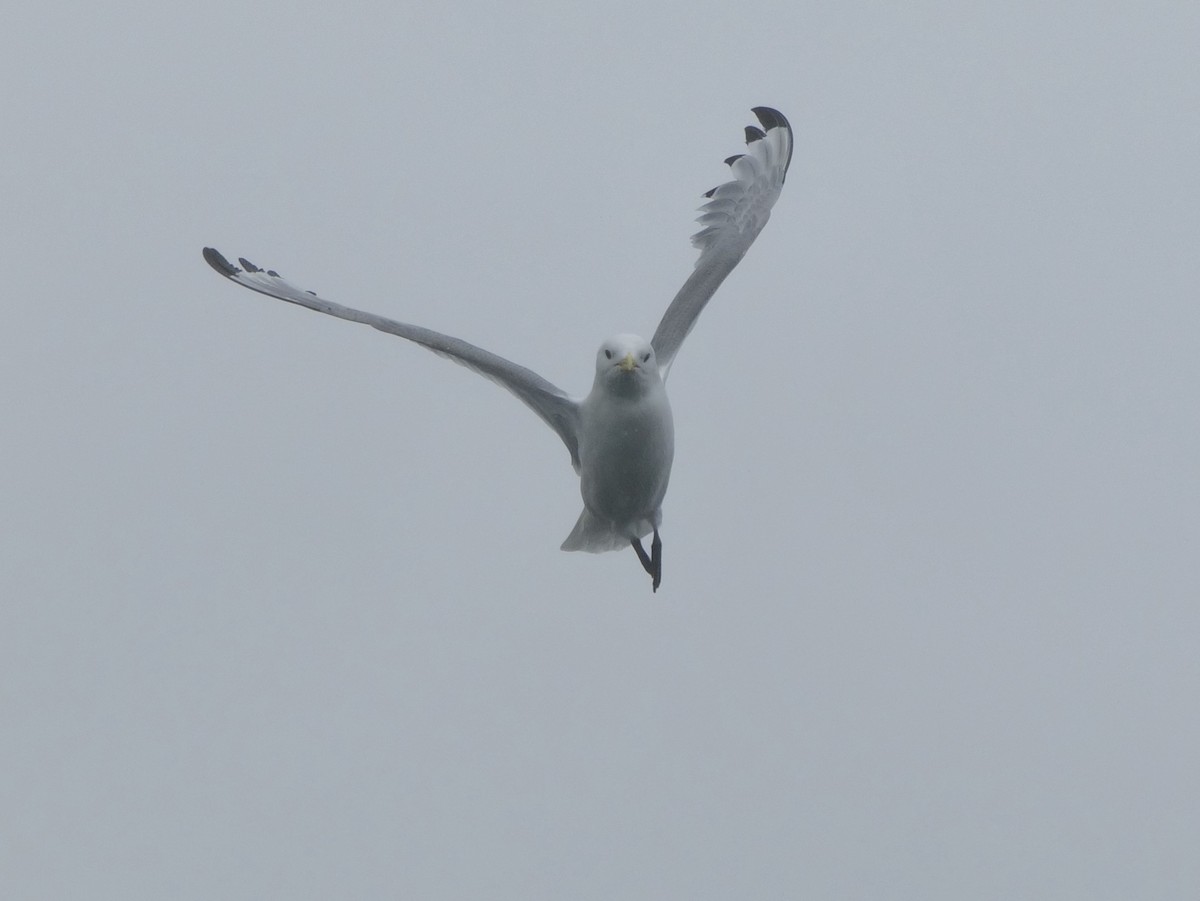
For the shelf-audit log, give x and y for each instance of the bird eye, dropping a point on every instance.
(608, 353)
(646, 357)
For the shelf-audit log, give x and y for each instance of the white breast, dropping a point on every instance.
(626, 447)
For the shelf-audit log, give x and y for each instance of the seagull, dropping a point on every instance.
(621, 437)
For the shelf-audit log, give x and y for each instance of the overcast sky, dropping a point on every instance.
(283, 611)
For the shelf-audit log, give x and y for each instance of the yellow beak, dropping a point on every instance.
(628, 363)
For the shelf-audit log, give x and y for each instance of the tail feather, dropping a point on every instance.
(594, 535)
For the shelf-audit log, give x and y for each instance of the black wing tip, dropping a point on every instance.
(754, 133)
(213, 257)
(771, 118)
(730, 160)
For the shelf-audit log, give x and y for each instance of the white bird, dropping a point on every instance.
(620, 437)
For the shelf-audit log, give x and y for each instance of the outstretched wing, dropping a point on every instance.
(734, 215)
(554, 406)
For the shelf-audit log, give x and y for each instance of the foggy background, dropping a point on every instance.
(282, 610)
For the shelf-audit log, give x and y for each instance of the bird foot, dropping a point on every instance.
(651, 562)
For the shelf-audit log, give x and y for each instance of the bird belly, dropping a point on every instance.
(626, 464)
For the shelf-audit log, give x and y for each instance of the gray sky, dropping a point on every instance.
(284, 613)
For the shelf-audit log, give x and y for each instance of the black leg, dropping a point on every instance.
(652, 562)
(647, 565)
(656, 561)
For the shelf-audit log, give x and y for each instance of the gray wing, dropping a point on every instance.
(554, 406)
(734, 215)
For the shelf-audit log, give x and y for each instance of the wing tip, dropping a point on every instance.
(213, 257)
(216, 259)
(771, 119)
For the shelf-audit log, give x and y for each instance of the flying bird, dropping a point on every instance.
(621, 437)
